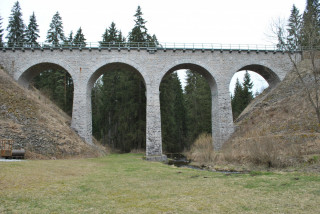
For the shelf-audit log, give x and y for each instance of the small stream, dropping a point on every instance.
(179, 160)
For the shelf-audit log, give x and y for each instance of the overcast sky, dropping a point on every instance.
(180, 21)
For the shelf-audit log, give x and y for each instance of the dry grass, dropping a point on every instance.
(127, 184)
(201, 150)
(273, 151)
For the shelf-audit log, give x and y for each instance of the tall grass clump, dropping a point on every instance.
(272, 151)
(201, 150)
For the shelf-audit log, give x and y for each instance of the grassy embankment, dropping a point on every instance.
(127, 184)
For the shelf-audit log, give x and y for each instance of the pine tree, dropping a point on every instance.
(242, 95)
(1, 33)
(16, 36)
(236, 100)
(154, 40)
(139, 33)
(79, 39)
(311, 24)
(57, 86)
(247, 95)
(32, 31)
(55, 34)
(294, 29)
(168, 123)
(69, 41)
(119, 117)
(111, 35)
(198, 106)
(173, 114)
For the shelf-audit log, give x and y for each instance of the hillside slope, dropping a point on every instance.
(279, 128)
(37, 125)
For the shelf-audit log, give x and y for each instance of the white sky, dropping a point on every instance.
(180, 21)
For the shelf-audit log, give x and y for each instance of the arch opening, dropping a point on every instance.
(247, 83)
(53, 81)
(118, 103)
(186, 112)
(270, 76)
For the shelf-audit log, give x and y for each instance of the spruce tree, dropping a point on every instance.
(111, 35)
(242, 95)
(294, 29)
(173, 114)
(247, 95)
(236, 100)
(16, 27)
(1, 33)
(139, 33)
(57, 85)
(79, 39)
(55, 34)
(69, 41)
(198, 106)
(32, 31)
(311, 24)
(168, 123)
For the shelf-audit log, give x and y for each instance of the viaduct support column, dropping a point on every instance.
(81, 112)
(222, 120)
(153, 120)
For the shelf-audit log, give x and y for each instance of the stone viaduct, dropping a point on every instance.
(87, 64)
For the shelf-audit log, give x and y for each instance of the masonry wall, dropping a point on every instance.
(218, 67)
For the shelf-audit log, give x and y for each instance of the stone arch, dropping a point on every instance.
(215, 113)
(265, 71)
(98, 70)
(27, 73)
(195, 67)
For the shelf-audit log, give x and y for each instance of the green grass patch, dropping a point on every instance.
(127, 184)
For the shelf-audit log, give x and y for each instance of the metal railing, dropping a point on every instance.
(145, 45)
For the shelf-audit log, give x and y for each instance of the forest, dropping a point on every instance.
(118, 96)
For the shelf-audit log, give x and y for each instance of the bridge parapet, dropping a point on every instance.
(145, 46)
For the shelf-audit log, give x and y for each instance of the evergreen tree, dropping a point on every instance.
(311, 24)
(242, 95)
(69, 41)
(154, 40)
(247, 95)
(294, 29)
(139, 33)
(79, 39)
(198, 106)
(180, 115)
(236, 100)
(55, 34)
(57, 85)
(32, 31)
(173, 114)
(111, 35)
(1, 33)
(16, 36)
(119, 117)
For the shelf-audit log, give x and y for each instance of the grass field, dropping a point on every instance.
(128, 184)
